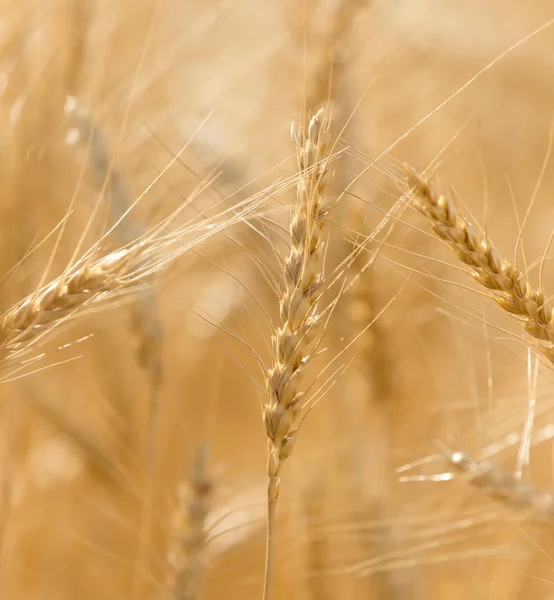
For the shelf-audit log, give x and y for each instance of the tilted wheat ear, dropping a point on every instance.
(294, 339)
(504, 486)
(99, 278)
(86, 282)
(508, 286)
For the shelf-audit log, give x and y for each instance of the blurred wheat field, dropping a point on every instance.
(133, 451)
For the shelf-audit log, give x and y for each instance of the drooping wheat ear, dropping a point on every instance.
(508, 286)
(88, 282)
(293, 340)
(186, 554)
(504, 486)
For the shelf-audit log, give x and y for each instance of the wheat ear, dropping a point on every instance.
(89, 282)
(503, 485)
(508, 286)
(186, 554)
(293, 340)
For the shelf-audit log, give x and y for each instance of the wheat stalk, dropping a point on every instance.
(508, 286)
(293, 340)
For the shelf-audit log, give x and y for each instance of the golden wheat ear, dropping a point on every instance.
(294, 339)
(508, 286)
(298, 306)
(86, 283)
(99, 279)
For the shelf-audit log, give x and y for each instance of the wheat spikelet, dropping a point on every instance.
(509, 287)
(503, 485)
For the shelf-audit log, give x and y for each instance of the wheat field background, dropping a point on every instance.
(133, 452)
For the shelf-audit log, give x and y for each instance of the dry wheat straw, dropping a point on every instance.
(293, 340)
(509, 287)
(503, 485)
(186, 554)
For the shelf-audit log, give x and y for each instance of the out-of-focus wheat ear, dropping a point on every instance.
(145, 323)
(186, 552)
(126, 227)
(508, 286)
(293, 339)
(504, 486)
